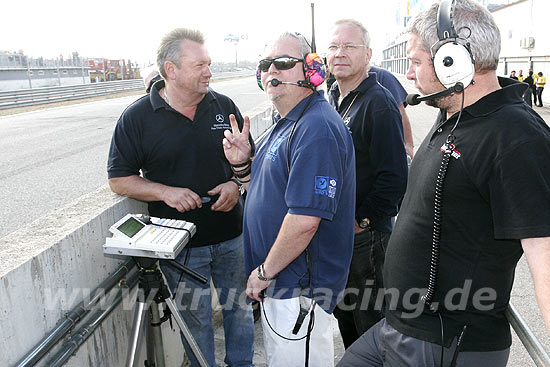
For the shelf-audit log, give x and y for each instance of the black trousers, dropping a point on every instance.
(362, 306)
(539, 96)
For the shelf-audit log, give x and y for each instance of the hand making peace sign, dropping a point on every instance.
(236, 144)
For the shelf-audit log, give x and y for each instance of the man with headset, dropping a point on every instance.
(298, 224)
(173, 135)
(370, 112)
(478, 199)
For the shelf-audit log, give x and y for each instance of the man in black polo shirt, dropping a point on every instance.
(493, 205)
(174, 136)
(371, 114)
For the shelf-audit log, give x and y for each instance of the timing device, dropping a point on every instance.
(144, 236)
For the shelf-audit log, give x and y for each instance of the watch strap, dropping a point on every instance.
(239, 185)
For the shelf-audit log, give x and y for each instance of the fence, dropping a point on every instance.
(30, 97)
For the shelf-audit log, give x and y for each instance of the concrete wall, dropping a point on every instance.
(46, 269)
(17, 78)
(48, 266)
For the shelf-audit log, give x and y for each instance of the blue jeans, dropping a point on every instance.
(362, 307)
(224, 264)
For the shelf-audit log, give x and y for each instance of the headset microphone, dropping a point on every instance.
(300, 83)
(276, 82)
(414, 99)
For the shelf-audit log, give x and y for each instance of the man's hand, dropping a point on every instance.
(236, 144)
(229, 196)
(181, 199)
(357, 228)
(255, 286)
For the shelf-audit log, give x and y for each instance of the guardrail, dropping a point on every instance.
(529, 340)
(31, 97)
(37, 96)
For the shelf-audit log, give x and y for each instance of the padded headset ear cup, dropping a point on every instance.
(460, 70)
(314, 69)
(259, 77)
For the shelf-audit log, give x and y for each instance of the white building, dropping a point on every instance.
(525, 43)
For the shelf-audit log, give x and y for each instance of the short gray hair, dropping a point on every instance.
(484, 38)
(364, 33)
(170, 46)
(305, 47)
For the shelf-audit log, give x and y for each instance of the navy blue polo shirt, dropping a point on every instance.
(321, 183)
(171, 149)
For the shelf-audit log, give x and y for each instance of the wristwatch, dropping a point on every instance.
(363, 223)
(261, 274)
(239, 185)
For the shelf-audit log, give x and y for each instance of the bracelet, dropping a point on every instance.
(261, 274)
(241, 170)
(244, 181)
(242, 174)
(238, 165)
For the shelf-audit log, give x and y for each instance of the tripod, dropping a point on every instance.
(152, 284)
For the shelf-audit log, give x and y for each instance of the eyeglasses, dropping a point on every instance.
(281, 63)
(348, 47)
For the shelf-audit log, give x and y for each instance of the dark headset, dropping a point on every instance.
(451, 56)
(313, 66)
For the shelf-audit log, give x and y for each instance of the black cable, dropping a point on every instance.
(308, 265)
(438, 207)
(308, 339)
(427, 298)
(310, 326)
(442, 338)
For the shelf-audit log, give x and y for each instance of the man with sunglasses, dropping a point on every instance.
(370, 112)
(298, 224)
(173, 135)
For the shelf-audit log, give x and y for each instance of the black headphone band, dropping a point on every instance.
(445, 28)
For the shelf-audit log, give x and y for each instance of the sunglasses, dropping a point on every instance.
(281, 63)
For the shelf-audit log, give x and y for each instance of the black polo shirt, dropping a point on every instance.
(496, 192)
(171, 149)
(372, 116)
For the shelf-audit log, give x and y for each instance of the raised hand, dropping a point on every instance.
(236, 144)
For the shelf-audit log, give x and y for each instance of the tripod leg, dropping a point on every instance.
(157, 334)
(186, 333)
(150, 343)
(137, 328)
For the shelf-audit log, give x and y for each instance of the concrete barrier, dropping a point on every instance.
(48, 266)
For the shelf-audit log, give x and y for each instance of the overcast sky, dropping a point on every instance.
(133, 29)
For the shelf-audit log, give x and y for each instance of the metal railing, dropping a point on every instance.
(529, 340)
(78, 313)
(37, 96)
(31, 97)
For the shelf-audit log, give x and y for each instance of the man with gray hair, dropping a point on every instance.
(370, 112)
(298, 224)
(478, 198)
(174, 137)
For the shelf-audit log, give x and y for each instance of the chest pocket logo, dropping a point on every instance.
(220, 123)
(273, 151)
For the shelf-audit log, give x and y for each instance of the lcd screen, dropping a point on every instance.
(130, 227)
